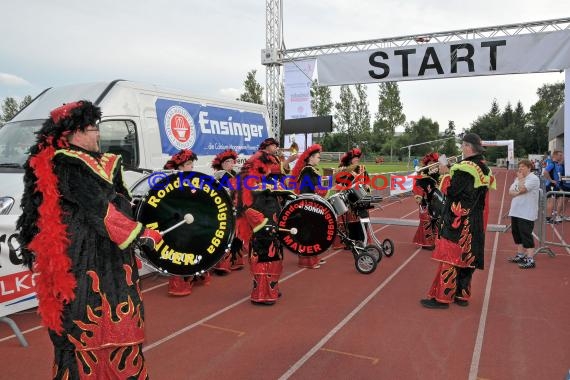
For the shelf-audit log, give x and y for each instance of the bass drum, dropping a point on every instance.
(307, 225)
(191, 248)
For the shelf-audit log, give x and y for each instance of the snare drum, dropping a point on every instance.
(338, 202)
(314, 220)
(355, 193)
(190, 248)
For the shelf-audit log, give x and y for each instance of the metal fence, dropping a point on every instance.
(555, 224)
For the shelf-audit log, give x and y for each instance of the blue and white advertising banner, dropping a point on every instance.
(207, 129)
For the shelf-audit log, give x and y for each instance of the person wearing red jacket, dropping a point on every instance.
(259, 201)
(223, 164)
(308, 181)
(425, 184)
(179, 286)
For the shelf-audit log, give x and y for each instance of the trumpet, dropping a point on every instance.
(434, 168)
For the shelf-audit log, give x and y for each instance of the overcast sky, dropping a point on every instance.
(207, 47)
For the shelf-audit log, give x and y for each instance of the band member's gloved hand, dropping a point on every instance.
(150, 238)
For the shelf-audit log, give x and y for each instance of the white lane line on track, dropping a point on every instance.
(346, 319)
(229, 307)
(475, 359)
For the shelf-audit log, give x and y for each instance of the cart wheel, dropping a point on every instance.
(388, 247)
(374, 251)
(365, 263)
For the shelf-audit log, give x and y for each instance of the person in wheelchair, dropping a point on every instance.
(308, 181)
(182, 285)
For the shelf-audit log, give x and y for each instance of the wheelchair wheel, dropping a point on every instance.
(388, 247)
(374, 251)
(365, 263)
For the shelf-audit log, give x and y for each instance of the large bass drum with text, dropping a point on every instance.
(307, 225)
(198, 208)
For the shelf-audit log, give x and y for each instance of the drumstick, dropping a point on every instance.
(188, 218)
(293, 230)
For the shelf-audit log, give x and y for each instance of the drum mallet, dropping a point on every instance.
(293, 230)
(188, 218)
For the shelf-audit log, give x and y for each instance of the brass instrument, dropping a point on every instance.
(434, 168)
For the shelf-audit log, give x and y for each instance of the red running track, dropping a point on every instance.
(334, 323)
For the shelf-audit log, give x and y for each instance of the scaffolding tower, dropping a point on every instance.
(274, 54)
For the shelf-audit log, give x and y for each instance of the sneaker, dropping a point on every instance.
(549, 220)
(460, 302)
(528, 263)
(519, 258)
(323, 261)
(558, 219)
(431, 303)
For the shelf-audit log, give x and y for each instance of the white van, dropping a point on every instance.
(146, 124)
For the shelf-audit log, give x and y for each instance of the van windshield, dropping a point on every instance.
(15, 141)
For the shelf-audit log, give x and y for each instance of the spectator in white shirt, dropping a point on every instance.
(523, 213)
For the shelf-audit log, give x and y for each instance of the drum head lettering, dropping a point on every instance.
(314, 221)
(191, 248)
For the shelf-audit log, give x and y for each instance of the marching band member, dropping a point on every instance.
(444, 176)
(182, 285)
(257, 209)
(76, 230)
(424, 186)
(461, 243)
(223, 165)
(349, 173)
(350, 169)
(308, 181)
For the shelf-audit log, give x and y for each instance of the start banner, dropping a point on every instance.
(518, 54)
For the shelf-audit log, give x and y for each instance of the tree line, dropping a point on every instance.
(10, 107)
(353, 125)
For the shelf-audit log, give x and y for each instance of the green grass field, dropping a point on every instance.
(372, 167)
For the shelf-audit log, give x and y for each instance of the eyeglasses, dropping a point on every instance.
(94, 128)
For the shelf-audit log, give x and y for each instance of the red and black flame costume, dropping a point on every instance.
(233, 260)
(308, 181)
(258, 206)
(461, 243)
(76, 230)
(424, 186)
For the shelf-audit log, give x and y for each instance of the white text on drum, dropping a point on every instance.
(228, 127)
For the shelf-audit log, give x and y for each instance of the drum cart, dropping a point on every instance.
(355, 233)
